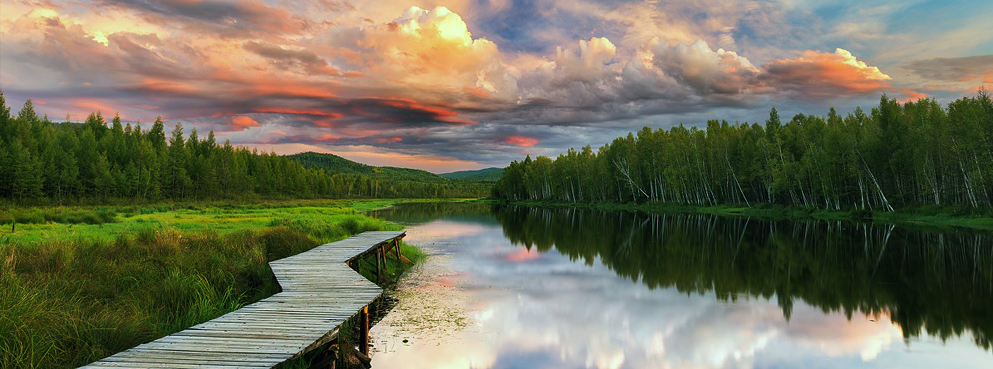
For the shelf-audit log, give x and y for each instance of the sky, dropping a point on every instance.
(466, 84)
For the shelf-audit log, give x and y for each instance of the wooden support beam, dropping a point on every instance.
(382, 255)
(379, 267)
(364, 331)
(396, 245)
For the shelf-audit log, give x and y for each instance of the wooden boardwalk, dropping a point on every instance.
(320, 292)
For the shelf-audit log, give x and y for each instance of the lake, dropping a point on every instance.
(524, 287)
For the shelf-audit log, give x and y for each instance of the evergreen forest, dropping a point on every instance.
(46, 162)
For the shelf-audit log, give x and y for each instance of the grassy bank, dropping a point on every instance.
(936, 217)
(40, 224)
(101, 280)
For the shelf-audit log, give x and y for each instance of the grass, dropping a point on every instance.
(932, 217)
(393, 268)
(34, 225)
(74, 292)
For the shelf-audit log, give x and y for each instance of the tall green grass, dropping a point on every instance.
(58, 215)
(65, 302)
(393, 269)
(36, 225)
(335, 227)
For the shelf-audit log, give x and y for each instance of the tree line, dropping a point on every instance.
(45, 161)
(914, 154)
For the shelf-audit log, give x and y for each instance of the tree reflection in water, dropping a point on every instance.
(933, 281)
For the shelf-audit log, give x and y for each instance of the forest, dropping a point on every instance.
(916, 154)
(46, 162)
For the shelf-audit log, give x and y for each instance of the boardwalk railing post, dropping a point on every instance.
(364, 332)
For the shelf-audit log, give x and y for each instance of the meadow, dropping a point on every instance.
(78, 284)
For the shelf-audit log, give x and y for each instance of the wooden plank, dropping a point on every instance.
(320, 292)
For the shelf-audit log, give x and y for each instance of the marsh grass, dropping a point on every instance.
(393, 269)
(107, 222)
(69, 299)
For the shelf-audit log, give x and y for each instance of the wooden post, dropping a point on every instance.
(364, 331)
(13, 226)
(382, 254)
(396, 244)
(379, 268)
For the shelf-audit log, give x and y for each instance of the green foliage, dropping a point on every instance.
(899, 155)
(394, 267)
(337, 164)
(147, 282)
(42, 162)
(58, 215)
(328, 229)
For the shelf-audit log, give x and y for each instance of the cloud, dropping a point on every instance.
(816, 75)
(432, 55)
(522, 141)
(965, 69)
(243, 122)
(232, 18)
(576, 77)
(308, 61)
(705, 70)
(454, 81)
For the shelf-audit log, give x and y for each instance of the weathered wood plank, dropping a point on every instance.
(320, 292)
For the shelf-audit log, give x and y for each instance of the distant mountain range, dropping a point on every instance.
(337, 164)
(482, 175)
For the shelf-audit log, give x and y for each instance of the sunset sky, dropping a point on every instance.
(453, 85)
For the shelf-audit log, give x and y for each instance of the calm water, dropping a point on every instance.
(510, 287)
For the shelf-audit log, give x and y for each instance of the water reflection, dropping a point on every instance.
(706, 292)
(938, 282)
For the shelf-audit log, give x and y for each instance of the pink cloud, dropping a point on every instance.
(521, 141)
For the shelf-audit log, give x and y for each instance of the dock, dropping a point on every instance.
(320, 291)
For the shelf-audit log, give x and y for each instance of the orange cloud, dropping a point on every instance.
(328, 137)
(432, 54)
(388, 140)
(824, 75)
(522, 141)
(244, 122)
(912, 95)
(88, 106)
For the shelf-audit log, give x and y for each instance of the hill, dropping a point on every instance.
(485, 175)
(337, 164)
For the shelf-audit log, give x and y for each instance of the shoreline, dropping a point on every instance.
(939, 219)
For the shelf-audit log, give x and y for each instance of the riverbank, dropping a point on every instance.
(84, 283)
(39, 224)
(933, 217)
